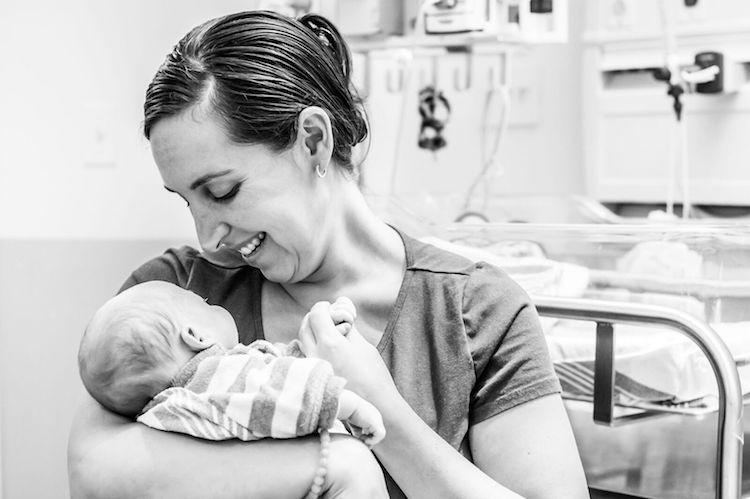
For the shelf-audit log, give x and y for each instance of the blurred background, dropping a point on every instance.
(506, 110)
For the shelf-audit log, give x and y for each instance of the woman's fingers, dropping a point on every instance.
(344, 328)
(355, 337)
(307, 339)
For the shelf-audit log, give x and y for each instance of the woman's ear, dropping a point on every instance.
(314, 137)
(195, 341)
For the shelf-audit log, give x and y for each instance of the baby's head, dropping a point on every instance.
(138, 341)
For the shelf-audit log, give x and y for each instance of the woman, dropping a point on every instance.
(252, 122)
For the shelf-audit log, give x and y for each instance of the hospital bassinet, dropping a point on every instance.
(672, 304)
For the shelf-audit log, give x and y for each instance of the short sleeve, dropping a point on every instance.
(236, 289)
(172, 266)
(508, 348)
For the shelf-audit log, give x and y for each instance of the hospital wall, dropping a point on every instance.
(81, 203)
(540, 151)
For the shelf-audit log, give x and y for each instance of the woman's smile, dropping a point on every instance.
(251, 248)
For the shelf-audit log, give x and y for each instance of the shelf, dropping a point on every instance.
(473, 42)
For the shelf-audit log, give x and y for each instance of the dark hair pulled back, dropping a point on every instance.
(257, 70)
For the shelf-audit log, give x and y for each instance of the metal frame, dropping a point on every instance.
(606, 313)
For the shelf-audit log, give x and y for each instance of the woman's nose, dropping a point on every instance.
(212, 238)
(211, 233)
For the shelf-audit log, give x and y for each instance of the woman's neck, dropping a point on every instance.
(361, 251)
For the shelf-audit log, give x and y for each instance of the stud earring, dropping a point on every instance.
(321, 172)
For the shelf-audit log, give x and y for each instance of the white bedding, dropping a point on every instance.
(653, 364)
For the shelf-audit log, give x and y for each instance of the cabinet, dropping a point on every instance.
(629, 128)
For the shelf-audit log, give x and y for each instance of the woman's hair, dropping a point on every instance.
(256, 71)
(129, 358)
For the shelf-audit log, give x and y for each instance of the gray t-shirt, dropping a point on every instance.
(463, 342)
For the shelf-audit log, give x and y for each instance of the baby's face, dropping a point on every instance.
(190, 310)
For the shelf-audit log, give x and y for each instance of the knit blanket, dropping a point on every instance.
(249, 392)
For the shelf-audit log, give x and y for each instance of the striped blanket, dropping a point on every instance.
(249, 392)
(577, 378)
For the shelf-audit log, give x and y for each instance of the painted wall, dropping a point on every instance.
(74, 163)
(48, 291)
(540, 152)
(73, 160)
(76, 214)
(81, 203)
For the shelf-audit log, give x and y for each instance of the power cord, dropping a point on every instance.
(491, 166)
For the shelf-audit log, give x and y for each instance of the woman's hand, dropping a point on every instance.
(352, 356)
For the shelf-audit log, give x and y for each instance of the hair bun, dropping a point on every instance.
(321, 32)
(330, 38)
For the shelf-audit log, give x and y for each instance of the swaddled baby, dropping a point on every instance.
(161, 354)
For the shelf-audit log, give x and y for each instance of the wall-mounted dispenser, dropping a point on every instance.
(706, 60)
(729, 75)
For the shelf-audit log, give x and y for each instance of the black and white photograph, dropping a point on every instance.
(374, 249)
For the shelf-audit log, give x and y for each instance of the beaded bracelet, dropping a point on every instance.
(320, 474)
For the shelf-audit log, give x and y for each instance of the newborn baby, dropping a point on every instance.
(161, 354)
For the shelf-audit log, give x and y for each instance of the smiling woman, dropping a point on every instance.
(242, 195)
(252, 121)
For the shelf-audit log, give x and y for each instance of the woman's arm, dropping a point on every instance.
(531, 440)
(528, 449)
(419, 460)
(425, 465)
(111, 457)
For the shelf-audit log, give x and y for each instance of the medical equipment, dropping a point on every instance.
(729, 442)
(635, 152)
(434, 109)
(714, 74)
(457, 16)
(363, 17)
(478, 193)
(643, 401)
(698, 276)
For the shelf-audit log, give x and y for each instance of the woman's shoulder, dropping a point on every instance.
(184, 266)
(428, 254)
(434, 255)
(477, 288)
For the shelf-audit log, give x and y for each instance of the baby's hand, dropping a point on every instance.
(324, 317)
(364, 419)
(343, 314)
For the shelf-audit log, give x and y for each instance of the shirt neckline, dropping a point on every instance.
(390, 326)
(256, 305)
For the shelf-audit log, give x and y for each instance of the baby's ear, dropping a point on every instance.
(195, 341)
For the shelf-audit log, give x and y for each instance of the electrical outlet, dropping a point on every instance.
(98, 136)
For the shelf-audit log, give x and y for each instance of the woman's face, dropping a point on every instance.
(250, 204)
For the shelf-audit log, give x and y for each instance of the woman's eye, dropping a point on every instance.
(225, 197)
